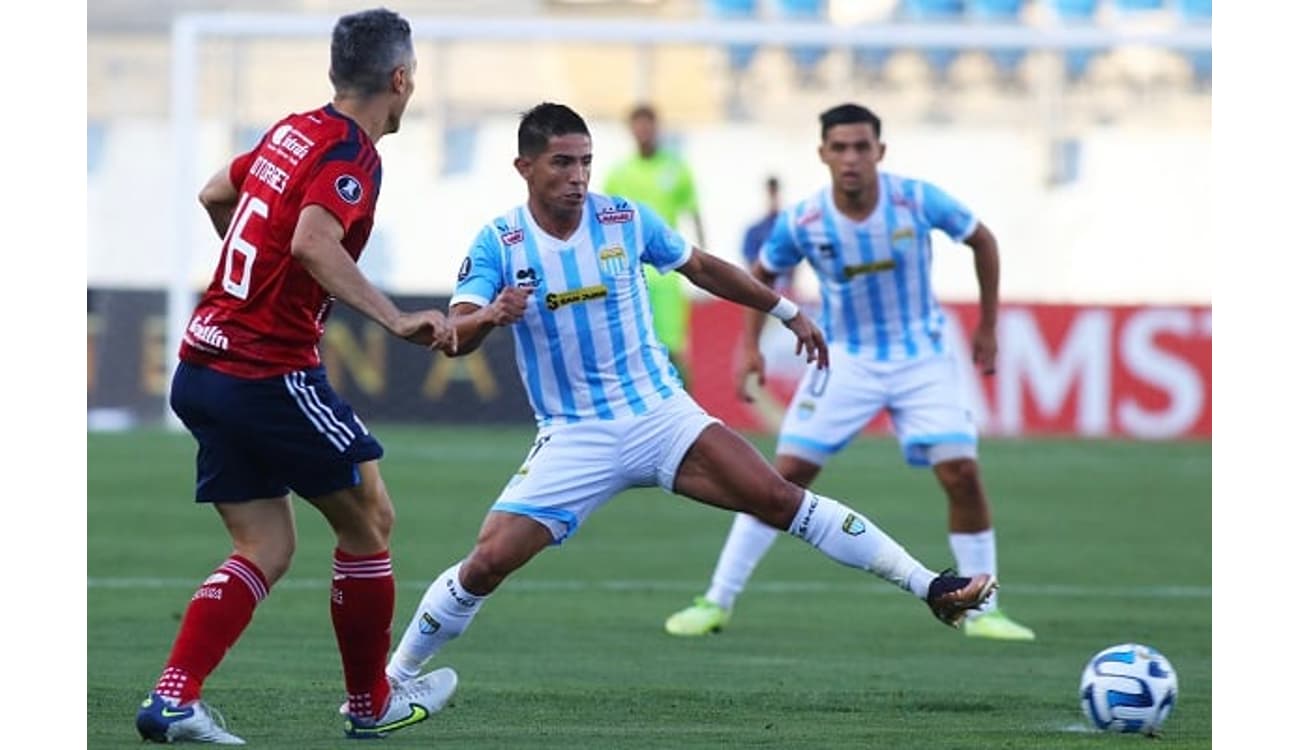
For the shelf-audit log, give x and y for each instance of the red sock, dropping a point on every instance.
(361, 605)
(218, 613)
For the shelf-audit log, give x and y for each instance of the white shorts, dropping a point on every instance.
(927, 405)
(573, 469)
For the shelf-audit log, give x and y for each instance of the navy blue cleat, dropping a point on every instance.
(160, 720)
(951, 596)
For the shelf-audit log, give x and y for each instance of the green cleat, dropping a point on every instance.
(997, 626)
(701, 618)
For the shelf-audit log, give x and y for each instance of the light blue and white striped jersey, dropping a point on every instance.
(874, 275)
(586, 347)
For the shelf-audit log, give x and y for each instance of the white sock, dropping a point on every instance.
(847, 537)
(444, 613)
(976, 553)
(748, 541)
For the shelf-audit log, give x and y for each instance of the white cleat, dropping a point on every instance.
(411, 702)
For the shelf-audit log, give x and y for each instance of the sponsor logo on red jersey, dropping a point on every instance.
(291, 143)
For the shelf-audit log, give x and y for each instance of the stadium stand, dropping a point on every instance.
(1002, 12)
(806, 58)
(936, 11)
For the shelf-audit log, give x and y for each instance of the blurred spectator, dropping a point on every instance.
(758, 232)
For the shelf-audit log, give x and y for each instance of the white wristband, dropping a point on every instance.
(784, 310)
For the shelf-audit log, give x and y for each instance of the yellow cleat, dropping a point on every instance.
(701, 618)
(997, 626)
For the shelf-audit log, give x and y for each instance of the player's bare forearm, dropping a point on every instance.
(722, 279)
(984, 342)
(472, 326)
(754, 319)
(219, 198)
(318, 245)
(473, 322)
(987, 273)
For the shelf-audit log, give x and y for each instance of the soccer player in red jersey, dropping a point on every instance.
(295, 213)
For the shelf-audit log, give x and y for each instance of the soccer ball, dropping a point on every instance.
(1128, 688)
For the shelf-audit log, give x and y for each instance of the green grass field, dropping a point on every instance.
(1099, 543)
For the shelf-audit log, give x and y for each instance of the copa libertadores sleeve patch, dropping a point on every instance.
(348, 188)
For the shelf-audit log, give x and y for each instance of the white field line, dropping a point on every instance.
(769, 587)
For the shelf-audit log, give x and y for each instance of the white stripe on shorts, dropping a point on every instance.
(326, 413)
(309, 411)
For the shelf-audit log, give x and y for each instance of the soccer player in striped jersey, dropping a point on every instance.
(564, 272)
(867, 237)
(295, 213)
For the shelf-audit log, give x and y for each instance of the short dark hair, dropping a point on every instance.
(365, 49)
(846, 114)
(773, 184)
(642, 110)
(547, 120)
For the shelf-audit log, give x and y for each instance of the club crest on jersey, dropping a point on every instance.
(613, 260)
(513, 237)
(348, 188)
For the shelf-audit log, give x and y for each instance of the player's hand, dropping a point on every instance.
(811, 343)
(427, 328)
(984, 349)
(509, 306)
(750, 364)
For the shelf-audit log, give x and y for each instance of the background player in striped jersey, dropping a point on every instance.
(565, 272)
(867, 238)
(295, 213)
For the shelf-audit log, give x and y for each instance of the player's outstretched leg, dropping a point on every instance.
(748, 541)
(444, 612)
(848, 537)
(722, 469)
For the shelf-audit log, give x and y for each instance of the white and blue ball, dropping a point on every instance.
(1128, 688)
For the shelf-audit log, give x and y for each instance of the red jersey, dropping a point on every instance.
(263, 314)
